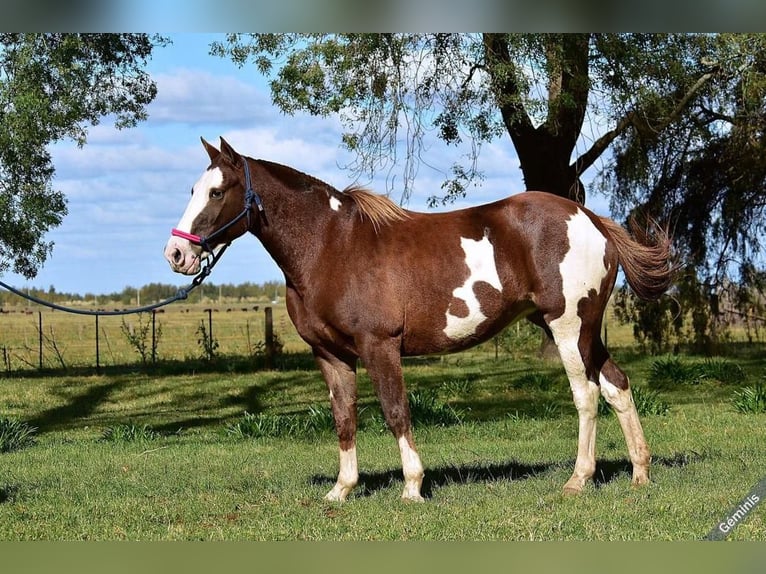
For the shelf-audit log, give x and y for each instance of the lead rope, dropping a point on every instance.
(181, 294)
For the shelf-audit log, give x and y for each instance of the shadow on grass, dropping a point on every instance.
(8, 493)
(606, 472)
(77, 407)
(168, 367)
(609, 470)
(370, 483)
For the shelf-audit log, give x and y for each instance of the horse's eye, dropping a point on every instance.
(191, 191)
(216, 194)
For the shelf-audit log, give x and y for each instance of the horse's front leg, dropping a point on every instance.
(382, 357)
(340, 376)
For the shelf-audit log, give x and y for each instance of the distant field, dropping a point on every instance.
(237, 327)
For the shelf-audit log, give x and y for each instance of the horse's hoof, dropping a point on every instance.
(335, 496)
(409, 497)
(572, 491)
(639, 481)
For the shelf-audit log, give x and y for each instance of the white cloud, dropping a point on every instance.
(197, 97)
(299, 150)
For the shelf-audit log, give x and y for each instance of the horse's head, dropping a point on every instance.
(218, 212)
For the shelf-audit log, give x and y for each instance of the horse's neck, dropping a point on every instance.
(295, 232)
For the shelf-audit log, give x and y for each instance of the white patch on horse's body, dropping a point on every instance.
(582, 270)
(348, 475)
(335, 203)
(480, 259)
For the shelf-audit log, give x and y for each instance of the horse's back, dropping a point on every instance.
(489, 265)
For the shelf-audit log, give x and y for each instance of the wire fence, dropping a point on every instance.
(37, 339)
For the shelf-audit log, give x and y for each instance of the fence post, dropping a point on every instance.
(269, 337)
(98, 354)
(154, 336)
(40, 338)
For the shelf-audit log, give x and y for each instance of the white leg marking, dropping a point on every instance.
(335, 203)
(480, 258)
(412, 469)
(625, 409)
(582, 270)
(620, 400)
(585, 395)
(347, 476)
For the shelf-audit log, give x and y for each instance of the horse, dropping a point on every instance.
(369, 280)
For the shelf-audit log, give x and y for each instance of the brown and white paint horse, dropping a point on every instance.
(369, 280)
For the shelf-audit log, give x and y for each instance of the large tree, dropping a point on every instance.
(537, 88)
(706, 174)
(53, 87)
(674, 122)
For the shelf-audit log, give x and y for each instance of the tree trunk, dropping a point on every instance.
(546, 168)
(545, 151)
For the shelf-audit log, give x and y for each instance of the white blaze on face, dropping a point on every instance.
(480, 259)
(201, 192)
(180, 253)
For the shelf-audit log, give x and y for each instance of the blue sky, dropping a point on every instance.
(126, 189)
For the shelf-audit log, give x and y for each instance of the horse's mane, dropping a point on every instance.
(379, 209)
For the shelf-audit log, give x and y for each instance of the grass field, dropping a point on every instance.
(69, 341)
(496, 476)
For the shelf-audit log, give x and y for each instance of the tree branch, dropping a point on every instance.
(506, 89)
(713, 115)
(588, 158)
(674, 115)
(572, 83)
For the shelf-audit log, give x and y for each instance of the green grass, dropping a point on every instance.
(496, 475)
(674, 370)
(750, 399)
(129, 433)
(15, 435)
(317, 421)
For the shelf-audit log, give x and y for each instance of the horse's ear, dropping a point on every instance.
(229, 153)
(211, 151)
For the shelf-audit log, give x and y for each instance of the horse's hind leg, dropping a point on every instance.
(340, 377)
(592, 372)
(566, 334)
(616, 390)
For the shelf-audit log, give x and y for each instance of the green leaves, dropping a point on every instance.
(53, 87)
(386, 89)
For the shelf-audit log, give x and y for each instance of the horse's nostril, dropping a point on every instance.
(177, 255)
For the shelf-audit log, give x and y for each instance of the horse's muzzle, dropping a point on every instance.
(182, 256)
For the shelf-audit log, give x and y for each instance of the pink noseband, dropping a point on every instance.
(196, 239)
